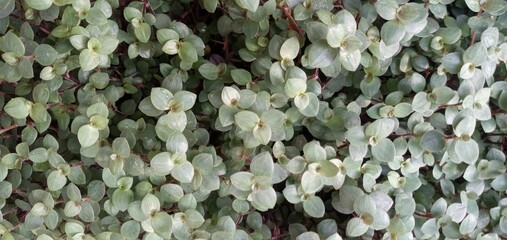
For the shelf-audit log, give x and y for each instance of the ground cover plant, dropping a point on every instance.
(253, 119)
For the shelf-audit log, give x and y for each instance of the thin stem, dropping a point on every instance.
(293, 23)
(2, 131)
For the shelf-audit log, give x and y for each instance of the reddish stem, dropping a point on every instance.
(2, 131)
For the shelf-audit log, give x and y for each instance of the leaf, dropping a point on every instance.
(39, 4)
(187, 52)
(143, 32)
(314, 206)
(262, 165)
(384, 150)
(356, 227)
(186, 99)
(319, 55)
(335, 35)
(467, 150)
(18, 107)
(392, 32)
(311, 182)
(162, 163)
(475, 54)
(313, 152)
(122, 199)
(56, 180)
(6, 7)
(386, 9)
(290, 48)
(183, 172)
(45, 54)
(208, 71)
(294, 87)
(433, 141)
(241, 76)
(96, 17)
(365, 205)
(242, 180)
(250, 5)
(457, 212)
(246, 120)
(210, 5)
(171, 47)
(262, 133)
(150, 204)
(162, 225)
(160, 98)
(87, 135)
(474, 5)
(230, 96)
(88, 60)
(263, 199)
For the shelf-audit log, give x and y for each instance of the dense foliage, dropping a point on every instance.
(253, 119)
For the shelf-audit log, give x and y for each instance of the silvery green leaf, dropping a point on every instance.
(295, 87)
(162, 163)
(308, 236)
(335, 35)
(467, 150)
(475, 54)
(319, 55)
(250, 5)
(384, 150)
(392, 32)
(230, 96)
(457, 212)
(263, 199)
(314, 206)
(311, 182)
(386, 9)
(262, 133)
(350, 60)
(262, 165)
(246, 120)
(312, 109)
(150, 204)
(183, 172)
(162, 224)
(242, 180)
(365, 205)
(290, 48)
(356, 227)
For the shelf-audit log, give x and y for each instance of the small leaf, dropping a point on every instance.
(18, 107)
(88, 60)
(262, 165)
(250, 5)
(433, 141)
(246, 120)
(290, 48)
(143, 32)
(39, 4)
(242, 180)
(311, 182)
(150, 204)
(294, 87)
(162, 163)
(162, 225)
(87, 135)
(241, 76)
(392, 32)
(210, 5)
(314, 206)
(56, 180)
(356, 227)
(187, 52)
